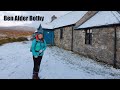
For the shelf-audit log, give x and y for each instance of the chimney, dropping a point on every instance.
(53, 18)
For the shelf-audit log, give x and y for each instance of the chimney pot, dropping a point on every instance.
(53, 18)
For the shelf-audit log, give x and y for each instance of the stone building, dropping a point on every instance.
(99, 38)
(94, 34)
(63, 29)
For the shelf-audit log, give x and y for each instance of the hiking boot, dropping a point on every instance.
(35, 76)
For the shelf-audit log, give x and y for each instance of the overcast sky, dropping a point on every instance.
(47, 17)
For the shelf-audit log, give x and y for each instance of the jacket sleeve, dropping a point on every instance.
(44, 46)
(33, 48)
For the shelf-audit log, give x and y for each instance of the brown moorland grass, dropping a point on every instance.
(15, 33)
(7, 36)
(8, 40)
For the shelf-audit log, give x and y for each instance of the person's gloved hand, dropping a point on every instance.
(36, 56)
(40, 51)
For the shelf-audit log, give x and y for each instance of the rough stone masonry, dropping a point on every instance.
(102, 48)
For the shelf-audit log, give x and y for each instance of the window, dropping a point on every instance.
(88, 36)
(61, 33)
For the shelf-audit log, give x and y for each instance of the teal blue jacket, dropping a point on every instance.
(37, 45)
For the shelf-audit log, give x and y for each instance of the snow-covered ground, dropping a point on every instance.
(16, 63)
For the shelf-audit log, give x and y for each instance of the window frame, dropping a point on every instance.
(88, 36)
(61, 33)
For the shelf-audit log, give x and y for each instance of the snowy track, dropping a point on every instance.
(16, 63)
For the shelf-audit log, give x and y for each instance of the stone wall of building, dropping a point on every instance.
(57, 37)
(118, 46)
(65, 42)
(102, 48)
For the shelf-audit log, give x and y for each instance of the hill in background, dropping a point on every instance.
(16, 33)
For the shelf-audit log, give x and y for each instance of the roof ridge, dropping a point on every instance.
(58, 18)
(63, 15)
(115, 15)
(88, 19)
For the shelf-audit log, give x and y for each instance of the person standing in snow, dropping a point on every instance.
(38, 48)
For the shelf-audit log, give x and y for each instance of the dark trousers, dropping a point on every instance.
(37, 62)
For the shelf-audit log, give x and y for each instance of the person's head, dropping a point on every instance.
(40, 36)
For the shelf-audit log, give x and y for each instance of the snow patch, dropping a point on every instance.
(67, 19)
(17, 63)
